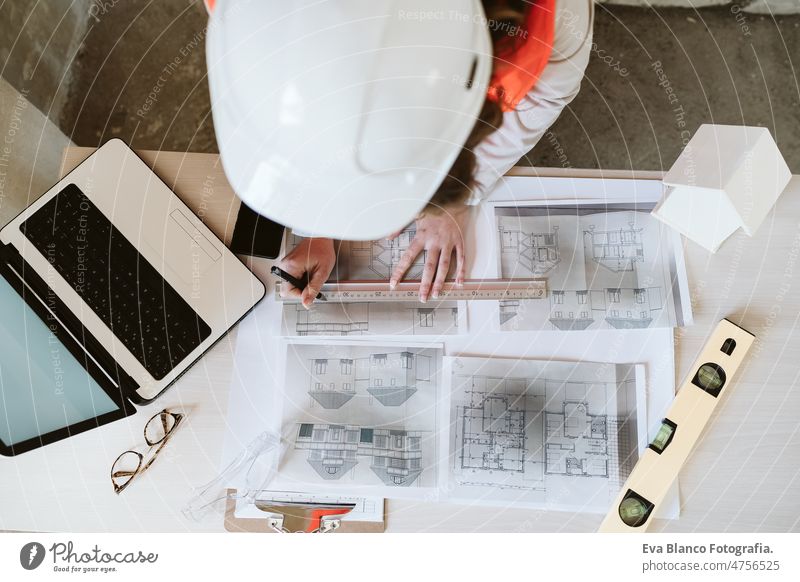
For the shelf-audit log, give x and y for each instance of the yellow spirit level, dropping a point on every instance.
(688, 415)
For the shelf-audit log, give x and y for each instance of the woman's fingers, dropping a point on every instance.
(289, 290)
(309, 294)
(312, 258)
(295, 268)
(406, 261)
(428, 272)
(461, 264)
(441, 271)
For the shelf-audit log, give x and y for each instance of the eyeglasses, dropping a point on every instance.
(157, 432)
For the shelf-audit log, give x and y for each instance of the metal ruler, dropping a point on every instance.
(472, 289)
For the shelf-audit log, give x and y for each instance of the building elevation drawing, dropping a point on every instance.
(536, 429)
(606, 267)
(360, 413)
(376, 318)
(395, 456)
(391, 378)
(371, 260)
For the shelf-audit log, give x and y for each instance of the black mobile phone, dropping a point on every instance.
(256, 235)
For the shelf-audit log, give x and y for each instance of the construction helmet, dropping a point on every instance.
(341, 118)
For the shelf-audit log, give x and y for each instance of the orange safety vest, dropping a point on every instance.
(516, 71)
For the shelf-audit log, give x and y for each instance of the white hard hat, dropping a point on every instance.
(341, 118)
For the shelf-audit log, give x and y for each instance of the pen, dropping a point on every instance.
(299, 283)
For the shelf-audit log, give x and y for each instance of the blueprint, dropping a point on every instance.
(360, 415)
(608, 266)
(373, 260)
(539, 433)
(370, 260)
(266, 397)
(331, 318)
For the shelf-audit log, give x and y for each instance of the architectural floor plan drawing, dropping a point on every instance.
(607, 266)
(360, 415)
(375, 318)
(538, 433)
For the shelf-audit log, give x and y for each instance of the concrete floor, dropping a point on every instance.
(30, 154)
(716, 65)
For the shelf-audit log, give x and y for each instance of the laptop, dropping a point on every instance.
(110, 289)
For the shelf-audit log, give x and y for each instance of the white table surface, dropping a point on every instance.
(743, 476)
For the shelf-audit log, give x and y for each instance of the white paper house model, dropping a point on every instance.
(726, 177)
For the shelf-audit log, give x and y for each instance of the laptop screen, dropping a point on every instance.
(43, 388)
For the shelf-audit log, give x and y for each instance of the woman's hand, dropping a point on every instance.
(439, 235)
(313, 258)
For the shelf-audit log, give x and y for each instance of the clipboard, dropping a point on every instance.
(294, 521)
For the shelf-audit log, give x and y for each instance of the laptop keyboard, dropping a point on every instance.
(126, 292)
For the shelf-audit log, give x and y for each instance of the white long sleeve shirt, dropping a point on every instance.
(557, 86)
